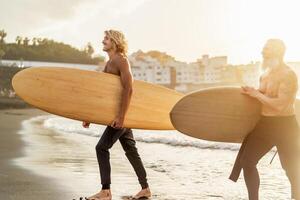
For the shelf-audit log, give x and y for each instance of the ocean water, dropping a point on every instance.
(178, 166)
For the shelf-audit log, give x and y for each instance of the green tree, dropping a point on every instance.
(89, 49)
(34, 41)
(3, 34)
(26, 41)
(2, 53)
(43, 49)
(39, 41)
(19, 40)
(44, 41)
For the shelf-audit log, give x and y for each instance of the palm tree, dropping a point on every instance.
(26, 41)
(3, 34)
(34, 41)
(39, 41)
(89, 49)
(19, 40)
(43, 41)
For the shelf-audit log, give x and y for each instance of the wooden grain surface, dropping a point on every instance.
(216, 114)
(94, 97)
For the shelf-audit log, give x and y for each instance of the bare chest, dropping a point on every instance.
(269, 85)
(111, 68)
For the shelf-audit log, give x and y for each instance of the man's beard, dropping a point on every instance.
(270, 63)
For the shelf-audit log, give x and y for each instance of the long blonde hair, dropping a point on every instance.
(119, 41)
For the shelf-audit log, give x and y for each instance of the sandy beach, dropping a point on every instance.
(49, 157)
(55, 166)
(38, 172)
(15, 182)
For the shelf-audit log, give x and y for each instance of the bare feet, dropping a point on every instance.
(143, 194)
(102, 195)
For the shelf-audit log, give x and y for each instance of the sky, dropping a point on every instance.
(185, 29)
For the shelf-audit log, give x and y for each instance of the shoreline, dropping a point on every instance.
(7, 103)
(52, 165)
(40, 162)
(17, 183)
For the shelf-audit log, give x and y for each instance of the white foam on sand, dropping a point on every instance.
(174, 138)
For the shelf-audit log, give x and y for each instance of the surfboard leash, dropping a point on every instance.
(273, 157)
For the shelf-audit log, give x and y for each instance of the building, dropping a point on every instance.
(185, 77)
(150, 70)
(211, 68)
(242, 74)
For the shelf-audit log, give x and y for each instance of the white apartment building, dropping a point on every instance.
(206, 70)
(150, 70)
(242, 74)
(187, 73)
(213, 68)
(251, 74)
(182, 71)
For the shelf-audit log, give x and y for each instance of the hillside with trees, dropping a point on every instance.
(43, 49)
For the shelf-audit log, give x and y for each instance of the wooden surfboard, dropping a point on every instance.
(95, 97)
(217, 114)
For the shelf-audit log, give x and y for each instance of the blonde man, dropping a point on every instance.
(115, 45)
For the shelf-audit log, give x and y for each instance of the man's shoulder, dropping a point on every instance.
(121, 61)
(120, 58)
(289, 75)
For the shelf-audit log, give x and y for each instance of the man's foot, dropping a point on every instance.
(143, 194)
(102, 195)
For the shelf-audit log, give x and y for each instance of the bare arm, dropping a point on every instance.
(126, 81)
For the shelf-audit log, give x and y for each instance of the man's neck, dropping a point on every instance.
(278, 68)
(111, 54)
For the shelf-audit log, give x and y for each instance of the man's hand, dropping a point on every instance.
(85, 124)
(252, 92)
(118, 122)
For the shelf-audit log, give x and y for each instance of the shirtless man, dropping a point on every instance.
(115, 45)
(277, 126)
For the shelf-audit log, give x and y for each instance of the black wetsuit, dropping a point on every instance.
(279, 131)
(125, 136)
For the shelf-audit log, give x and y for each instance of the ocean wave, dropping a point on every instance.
(173, 138)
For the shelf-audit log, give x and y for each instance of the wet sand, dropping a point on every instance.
(51, 166)
(15, 182)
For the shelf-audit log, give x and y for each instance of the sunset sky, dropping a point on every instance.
(185, 29)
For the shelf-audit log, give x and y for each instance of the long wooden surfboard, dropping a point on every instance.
(95, 97)
(217, 114)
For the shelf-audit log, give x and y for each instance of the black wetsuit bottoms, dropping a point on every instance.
(279, 131)
(282, 132)
(125, 136)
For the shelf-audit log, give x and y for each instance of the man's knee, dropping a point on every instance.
(102, 147)
(131, 152)
(248, 165)
(130, 147)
